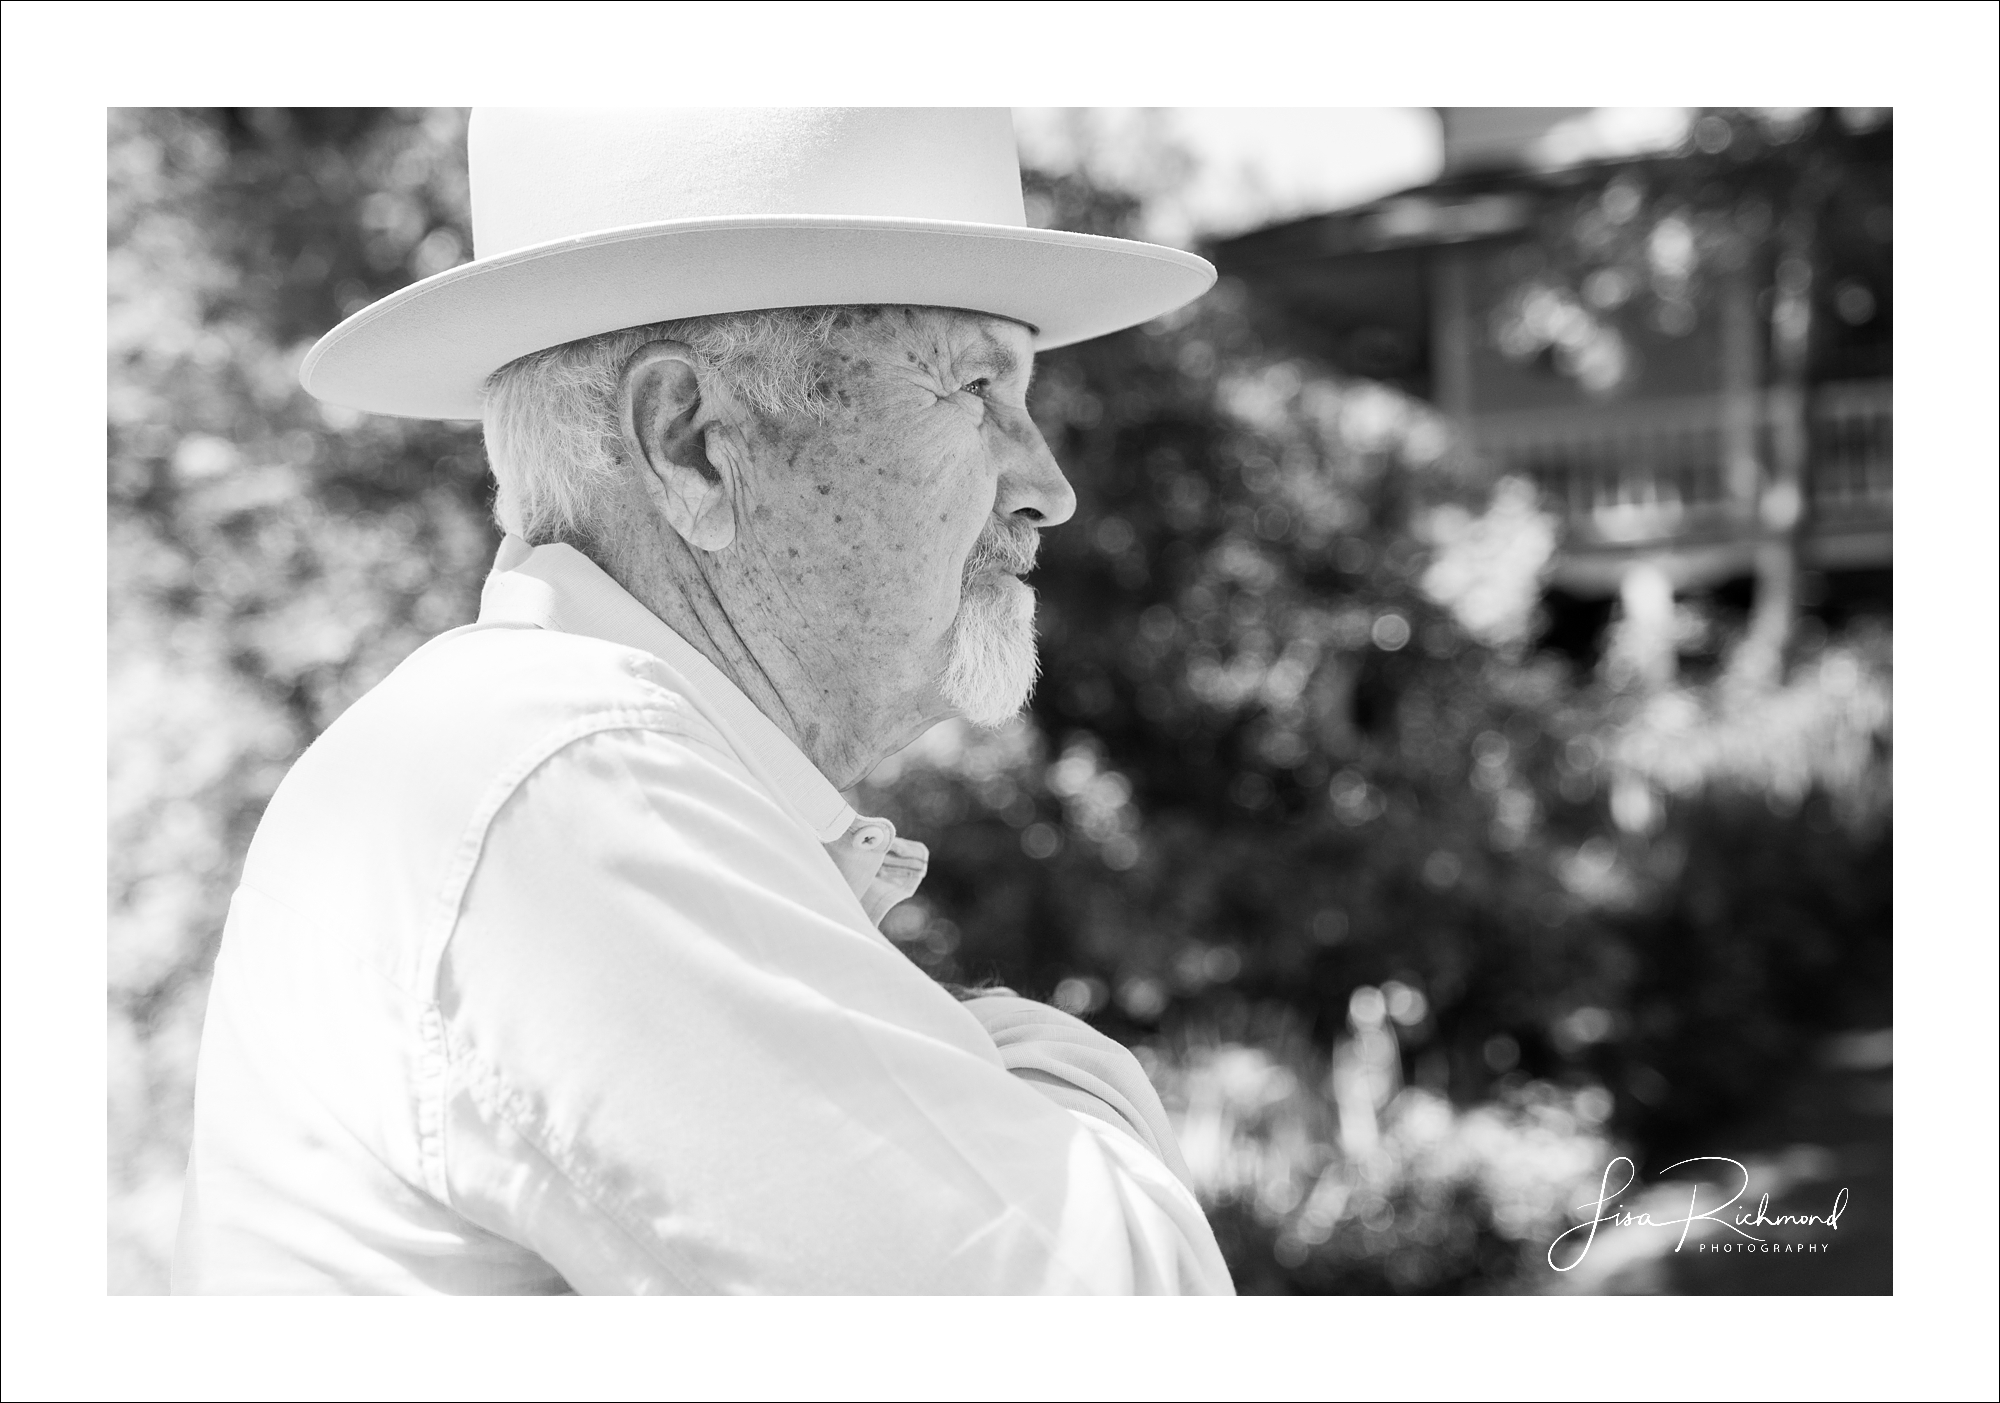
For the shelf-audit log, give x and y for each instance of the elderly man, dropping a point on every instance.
(554, 965)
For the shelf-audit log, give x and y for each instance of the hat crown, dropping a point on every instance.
(543, 174)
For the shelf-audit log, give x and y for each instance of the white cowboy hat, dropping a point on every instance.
(589, 220)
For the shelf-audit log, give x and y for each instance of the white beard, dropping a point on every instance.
(990, 662)
(990, 665)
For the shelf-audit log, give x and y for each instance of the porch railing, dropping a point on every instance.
(1656, 472)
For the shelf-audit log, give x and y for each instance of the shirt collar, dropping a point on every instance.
(558, 587)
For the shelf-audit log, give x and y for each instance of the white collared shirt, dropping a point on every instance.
(554, 966)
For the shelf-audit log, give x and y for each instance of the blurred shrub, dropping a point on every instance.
(1325, 1173)
(271, 558)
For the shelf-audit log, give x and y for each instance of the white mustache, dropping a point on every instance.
(1008, 545)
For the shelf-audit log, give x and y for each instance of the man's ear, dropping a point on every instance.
(660, 418)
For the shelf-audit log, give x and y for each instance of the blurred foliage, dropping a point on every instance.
(271, 558)
(1797, 199)
(1411, 916)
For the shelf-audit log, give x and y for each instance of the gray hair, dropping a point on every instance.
(552, 434)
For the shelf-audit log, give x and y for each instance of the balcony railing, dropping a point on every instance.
(1654, 477)
(1851, 451)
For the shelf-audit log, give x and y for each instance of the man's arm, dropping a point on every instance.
(1079, 1069)
(681, 1060)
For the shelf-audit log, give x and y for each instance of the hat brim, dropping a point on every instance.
(425, 352)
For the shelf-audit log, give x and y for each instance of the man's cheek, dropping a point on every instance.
(933, 576)
(930, 575)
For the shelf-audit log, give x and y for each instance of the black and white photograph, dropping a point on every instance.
(1365, 752)
(943, 699)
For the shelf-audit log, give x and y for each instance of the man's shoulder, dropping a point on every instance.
(388, 797)
(475, 701)
(512, 678)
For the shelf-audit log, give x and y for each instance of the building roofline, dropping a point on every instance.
(1464, 207)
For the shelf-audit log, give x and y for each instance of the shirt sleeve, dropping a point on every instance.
(1080, 1069)
(681, 1059)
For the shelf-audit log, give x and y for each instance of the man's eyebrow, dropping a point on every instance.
(996, 355)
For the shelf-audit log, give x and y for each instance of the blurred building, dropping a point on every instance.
(1681, 411)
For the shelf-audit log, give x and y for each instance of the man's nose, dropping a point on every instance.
(1032, 484)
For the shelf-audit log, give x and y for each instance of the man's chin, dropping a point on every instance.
(995, 706)
(994, 720)
(989, 678)
(1005, 589)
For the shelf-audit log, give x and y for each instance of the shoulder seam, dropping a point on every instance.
(450, 898)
